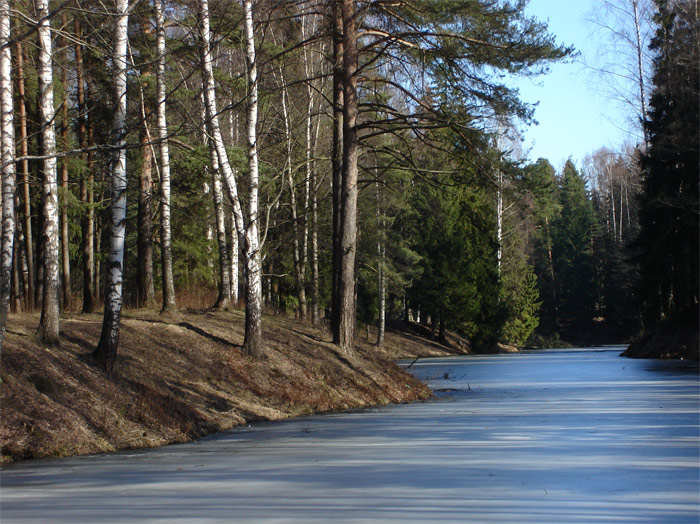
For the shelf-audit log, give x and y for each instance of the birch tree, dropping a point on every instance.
(49, 321)
(7, 147)
(106, 350)
(247, 228)
(166, 251)
(253, 308)
(624, 29)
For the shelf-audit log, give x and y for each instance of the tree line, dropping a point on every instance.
(332, 159)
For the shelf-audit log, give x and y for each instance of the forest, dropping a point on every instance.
(343, 163)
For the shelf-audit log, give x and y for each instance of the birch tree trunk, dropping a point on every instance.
(381, 277)
(346, 326)
(106, 351)
(166, 249)
(233, 263)
(499, 221)
(7, 150)
(26, 196)
(252, 344)
(639, 49)
(297, 249)
(49, 321)
(223, 301)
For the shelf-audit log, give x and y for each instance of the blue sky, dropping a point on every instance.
(575, 118)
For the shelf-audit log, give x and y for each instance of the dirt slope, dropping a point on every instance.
(182, 377)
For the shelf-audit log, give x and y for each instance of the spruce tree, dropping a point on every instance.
(668, 239)
(573, 249)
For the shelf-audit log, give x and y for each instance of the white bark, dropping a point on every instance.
(7, 149)
(253, 330)
(253, 338)
(298, 252)
(381, 277)
(499, 220)
(106, 351)
(165, 228)
(233, 255)
(49, 322)
(640, 48)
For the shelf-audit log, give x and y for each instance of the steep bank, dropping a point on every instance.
(676, 337)
(182, 377)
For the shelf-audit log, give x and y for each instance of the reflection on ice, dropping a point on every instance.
(575, 436)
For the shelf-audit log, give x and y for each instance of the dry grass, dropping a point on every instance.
(181, 377)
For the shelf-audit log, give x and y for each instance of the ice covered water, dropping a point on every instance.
(547, 436)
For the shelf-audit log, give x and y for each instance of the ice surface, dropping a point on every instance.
(549, 436)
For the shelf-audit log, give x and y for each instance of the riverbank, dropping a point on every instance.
(181, 377)
(677, 337)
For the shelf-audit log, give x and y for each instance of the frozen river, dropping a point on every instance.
(552, 436)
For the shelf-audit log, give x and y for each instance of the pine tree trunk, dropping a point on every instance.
(49, 321)
(166, 250)
(145, 292)
(7, 150)
(65, 237)
(86, 181)
(336, 164)
(26, 195)
(346, 327)
(106, 351)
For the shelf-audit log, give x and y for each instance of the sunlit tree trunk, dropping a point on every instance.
(252, 344)
(233, 262)
(106, 351)
(223, 301)
(49, 321)
(166, 250)
(348, 245)
(145, 288)
(640, 49)
(7, 150)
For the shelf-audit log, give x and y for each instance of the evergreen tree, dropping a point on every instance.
(573, 249)
(541, 182)
(668, 237)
